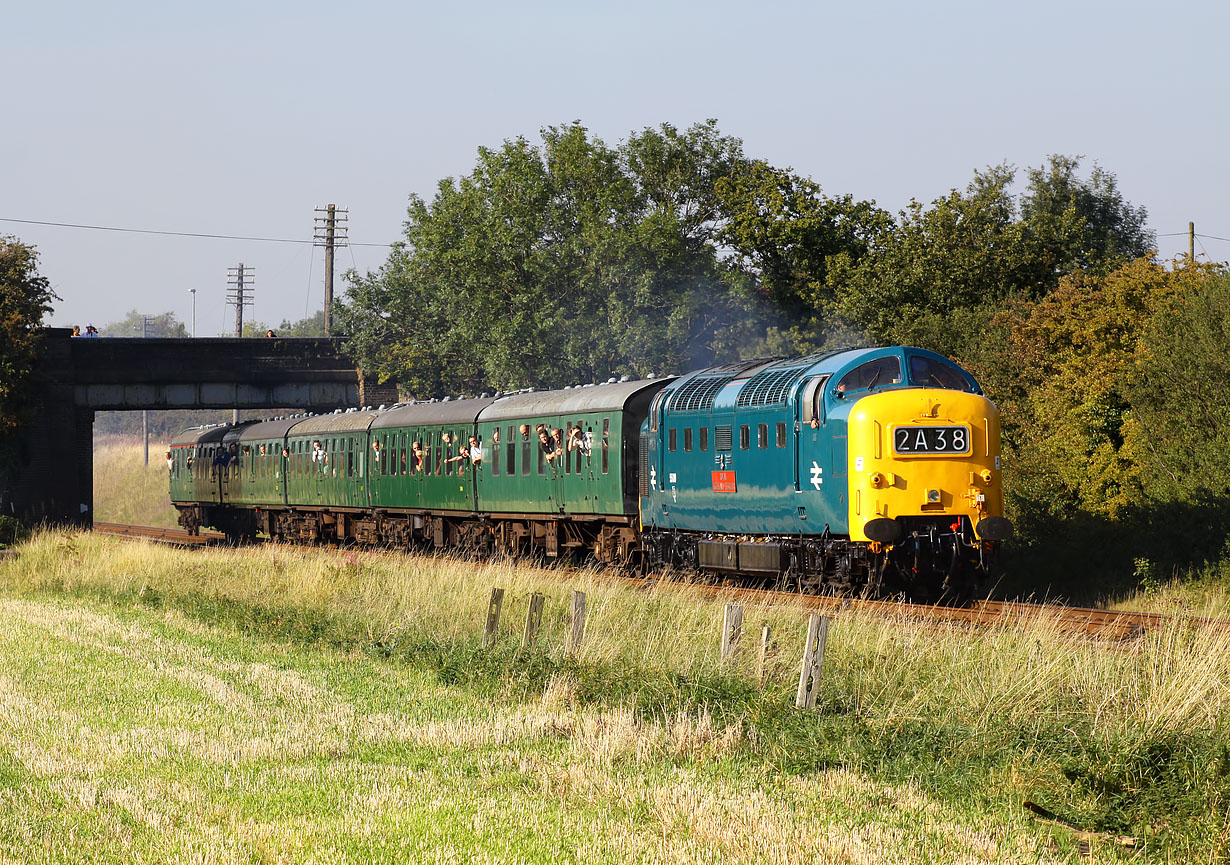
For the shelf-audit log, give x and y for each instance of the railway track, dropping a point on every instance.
(171, 537)
(1113, 625)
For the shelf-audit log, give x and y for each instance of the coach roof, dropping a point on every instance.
(453, 411)
(578, 400)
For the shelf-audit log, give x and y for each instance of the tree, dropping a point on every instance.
(313, 325)
(25, 297)
(134, 324)
(1181, 405)
(964, 251)
(791, 237)
(558, 264)
(979, 247)
(1076, 224)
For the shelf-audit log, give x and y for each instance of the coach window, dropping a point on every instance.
(439, 441)
(606, 444)
(687, 440)
(762, 435)
(526, 446)
(495, 454)
(542, 459)
(745, 437)
(781, 434)
(671, 436)
(704, 438)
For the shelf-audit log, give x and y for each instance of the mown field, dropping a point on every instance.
(278, 704)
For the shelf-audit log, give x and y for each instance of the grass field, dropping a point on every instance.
(277, 704)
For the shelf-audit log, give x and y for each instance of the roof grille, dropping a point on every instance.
(698, 394)
(768, 387)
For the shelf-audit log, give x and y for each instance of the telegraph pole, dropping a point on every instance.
(241, 279)
(144, 328)
(1191, 243)
(330, 233)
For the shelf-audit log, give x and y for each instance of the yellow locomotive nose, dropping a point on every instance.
(940, 448)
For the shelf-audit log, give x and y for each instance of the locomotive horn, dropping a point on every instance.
(883, 530)
(994, 529)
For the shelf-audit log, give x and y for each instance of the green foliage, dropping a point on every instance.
(982, 246)
(1179, 390)
(25, 297)
(138, 325)
(313, 325)
(558, 264)
(792, 238)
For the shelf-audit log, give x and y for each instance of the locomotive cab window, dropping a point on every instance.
(781, 434)
(745, 437)
(704, 438)
(671, 440)
(880, 372)
(687, 440)
(929, 372)
(762, 435)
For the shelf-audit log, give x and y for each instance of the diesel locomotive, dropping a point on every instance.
(855, 471)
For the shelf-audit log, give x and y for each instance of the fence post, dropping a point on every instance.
(532, 620)
(764, 655)
(493, 616)
(576, 633)
(732, 630)
(813, 657)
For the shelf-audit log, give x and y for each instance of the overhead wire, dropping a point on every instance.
(172, 233)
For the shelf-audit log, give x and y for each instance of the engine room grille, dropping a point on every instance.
(644, 466)
(768, 387)
(698, 394)
(721, 438)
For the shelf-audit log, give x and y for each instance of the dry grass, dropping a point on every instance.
(126, 490)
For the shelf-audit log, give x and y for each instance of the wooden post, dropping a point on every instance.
(732, 630)
(493, 616)
(764, 655)
(813, 657)
(577, 632)
(533, 619)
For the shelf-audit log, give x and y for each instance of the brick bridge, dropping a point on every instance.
(53, 480)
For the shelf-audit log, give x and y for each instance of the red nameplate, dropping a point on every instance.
(723, 482)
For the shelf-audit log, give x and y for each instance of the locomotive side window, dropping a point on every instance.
(929, 372)
(745, 437)
(762, 435)
(704, 438)
(781, 434)
(687, 440)
(875, 373)
(671, 437)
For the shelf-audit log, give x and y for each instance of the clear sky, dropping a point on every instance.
(239, 118)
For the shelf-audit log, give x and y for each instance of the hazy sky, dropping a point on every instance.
(241, 118)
